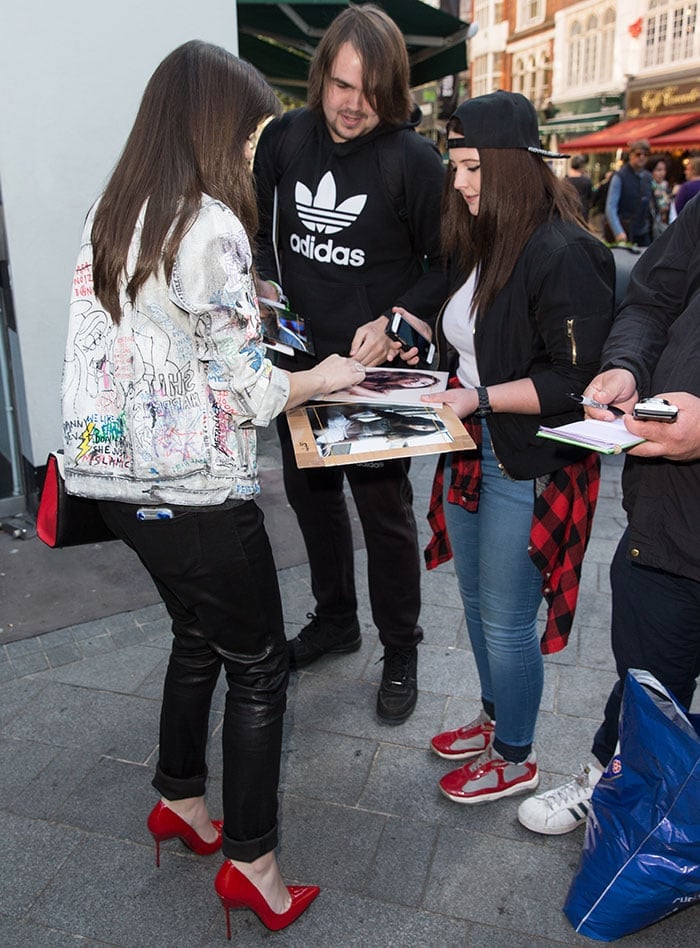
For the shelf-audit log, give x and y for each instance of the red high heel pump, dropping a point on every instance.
(163, 823)
(236, 891)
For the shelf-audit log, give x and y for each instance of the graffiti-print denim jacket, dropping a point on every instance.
(162, 408)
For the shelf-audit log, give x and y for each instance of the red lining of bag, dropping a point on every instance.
(47, 514)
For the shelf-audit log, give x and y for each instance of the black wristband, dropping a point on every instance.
(484, 408)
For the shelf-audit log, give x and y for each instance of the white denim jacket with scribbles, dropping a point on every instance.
(163, 407)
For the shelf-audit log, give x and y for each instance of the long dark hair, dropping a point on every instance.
(197, 112)
(519, 192)
(385, 70)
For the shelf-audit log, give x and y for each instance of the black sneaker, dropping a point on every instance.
(398, 691)
(319, 638)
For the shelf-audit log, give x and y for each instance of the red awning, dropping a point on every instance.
(622, 134)
(685, 138)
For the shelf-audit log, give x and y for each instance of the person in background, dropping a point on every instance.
(525, 337)
(160, 428)
(596, 216)
(579, 180)
(691, 185)
(661, 192)
(629, 204)
(653, 349)
(349, 202)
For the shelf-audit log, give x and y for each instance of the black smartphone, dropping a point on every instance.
(654, 409)
(402, 331)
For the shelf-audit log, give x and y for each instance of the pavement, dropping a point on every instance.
(361, 815)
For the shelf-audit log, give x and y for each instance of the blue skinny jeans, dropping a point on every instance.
(501, 592)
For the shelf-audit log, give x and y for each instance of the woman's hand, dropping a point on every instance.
(462, 401)
(333, 374)
(336, 372)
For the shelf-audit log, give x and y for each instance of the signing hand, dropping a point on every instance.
(613, 387)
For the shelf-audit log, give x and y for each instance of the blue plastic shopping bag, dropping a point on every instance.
(641, 854)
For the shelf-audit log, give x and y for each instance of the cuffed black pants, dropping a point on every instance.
(213, 566)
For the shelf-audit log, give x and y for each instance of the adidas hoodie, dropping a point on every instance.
(358, 225)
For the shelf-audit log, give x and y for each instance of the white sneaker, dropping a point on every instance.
(561, 810)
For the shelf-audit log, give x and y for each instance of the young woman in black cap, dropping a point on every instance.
(531, 308)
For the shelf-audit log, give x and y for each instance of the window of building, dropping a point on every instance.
(590, 48)
(671, 32)
(530, 13)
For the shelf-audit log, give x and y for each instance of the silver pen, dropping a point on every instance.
(592, 403)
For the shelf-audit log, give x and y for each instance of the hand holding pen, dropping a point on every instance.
(592, 403)
(614, 390)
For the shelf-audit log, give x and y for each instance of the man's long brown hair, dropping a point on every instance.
(519, 192)
(189, 138)
(380, 45)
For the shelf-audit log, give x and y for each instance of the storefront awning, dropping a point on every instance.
(623, 133)
(686, 138)
(578, 124)
(279, 38)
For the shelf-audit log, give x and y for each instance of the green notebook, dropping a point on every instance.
(607, 437)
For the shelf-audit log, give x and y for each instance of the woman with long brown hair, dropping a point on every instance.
(531, 307)
(165, 380)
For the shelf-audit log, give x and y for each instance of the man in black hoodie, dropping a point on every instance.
(349, 199)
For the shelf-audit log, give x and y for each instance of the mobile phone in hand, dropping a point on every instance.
(400, 330)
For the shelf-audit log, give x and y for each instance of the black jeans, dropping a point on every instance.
(213, 566)
(655, 626)
(384, 499)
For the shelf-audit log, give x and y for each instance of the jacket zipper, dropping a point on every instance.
(572, 340)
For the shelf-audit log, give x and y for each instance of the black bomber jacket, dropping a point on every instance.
(548, 323)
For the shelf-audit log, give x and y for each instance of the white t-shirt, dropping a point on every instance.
(458, 326)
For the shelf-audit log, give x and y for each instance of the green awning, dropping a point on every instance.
(279, 38)
(578, 124)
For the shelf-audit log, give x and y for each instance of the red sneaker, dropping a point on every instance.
(468, 741)
(490, 777)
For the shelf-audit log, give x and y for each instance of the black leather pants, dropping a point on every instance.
(213, 566)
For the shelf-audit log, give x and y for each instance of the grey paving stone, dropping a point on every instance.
(323, 843)
(63, 654)
(28, 935)
(53, 639)
(29, 664)
(15, 695)
(327, 767)
(123, 672)
(498, 881)
(34, 852)
(89, 630)
(20, 763)
(583, 692)
(402, 861)
(22, 647)
(41, 798)
(121, 726)
(125, 901)
(91, 805)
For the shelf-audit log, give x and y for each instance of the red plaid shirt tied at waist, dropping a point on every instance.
(561, 527)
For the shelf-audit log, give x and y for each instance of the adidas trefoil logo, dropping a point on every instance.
(319, 213)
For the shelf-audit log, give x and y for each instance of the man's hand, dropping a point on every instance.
(613, 387)
(678, 440)
(410, 356)
(371, 345)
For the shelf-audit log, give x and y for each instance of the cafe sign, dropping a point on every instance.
(657, 100)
